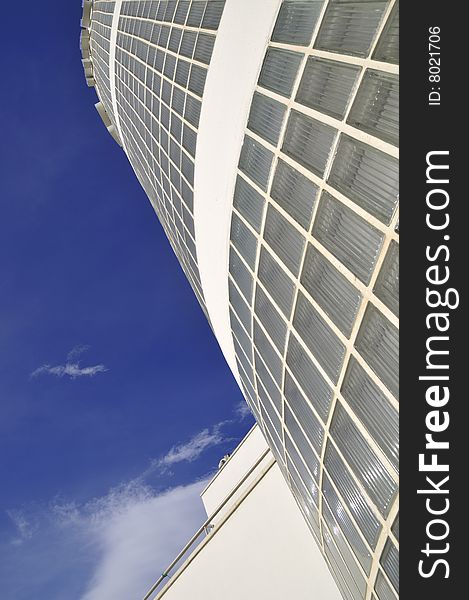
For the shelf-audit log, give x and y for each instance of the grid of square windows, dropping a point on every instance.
(163, 49)
(313, 280)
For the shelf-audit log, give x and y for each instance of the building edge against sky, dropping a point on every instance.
(265, 135)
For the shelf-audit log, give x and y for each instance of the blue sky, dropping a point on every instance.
(115, 400)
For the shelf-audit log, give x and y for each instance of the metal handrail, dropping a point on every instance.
(202, 528)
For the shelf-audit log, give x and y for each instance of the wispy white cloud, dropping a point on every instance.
(115, 546)
(72, 367)
(192, 449)
(23, 525)
(242, 410)
(138, 533)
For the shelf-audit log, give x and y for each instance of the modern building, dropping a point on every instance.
(254, 543)
(265, 134)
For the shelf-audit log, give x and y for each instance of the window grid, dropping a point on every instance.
(389, 234)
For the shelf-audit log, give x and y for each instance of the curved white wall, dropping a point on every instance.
(239, 50)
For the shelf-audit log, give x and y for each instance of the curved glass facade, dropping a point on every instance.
(314, 281)
(313, 240)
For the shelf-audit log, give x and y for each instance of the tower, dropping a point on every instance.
(265, 134)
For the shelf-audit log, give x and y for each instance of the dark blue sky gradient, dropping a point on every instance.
(83, 260)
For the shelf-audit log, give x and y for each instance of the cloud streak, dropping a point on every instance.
(71, 368)
(191, 450)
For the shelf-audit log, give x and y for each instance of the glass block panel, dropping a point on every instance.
(241, 335)
(249, 203)
(373, 409)
(390, 563)
(268, 354)
(189, 140)
(188, 43)
(213, 14)
(255, 161)
(367, 467)
(279, 71)
(304, 414)
(378, 343)
(387, 283)
(376, 106)
(296, 21)
(182, 75)
(387, 48)
(346, 524)
(197, 80)
(305, 450)
(243, 311)
(273, 322)
(333, 554)
(266, 117)
(192, 112)
(351, 239)
(271, 390)
(310, 379)
(367, 176)
(326, 86)
(241, 275)
(352, 496)
(356, 579)
(244, 240)
(308, 141)
(338, 298)
(395, 527)
(349, 26)
(196, 12)
(319, 337)
(383, 589)
(294, 192)
(276, 281)
(284, 240)
(204, 48)
(306, 474)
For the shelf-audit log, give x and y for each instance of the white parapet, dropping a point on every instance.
(237, 57)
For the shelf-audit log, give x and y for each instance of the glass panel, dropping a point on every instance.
(349, 26)
(271, 319)
(304, 414)
(308, 141)
(249, 203)
(373, 409)
(351, 239)
(244, 240)
(347, 526)
(266, 117)
(367, 176)
(378, 343)
(279, 70)
(255, 161)
(284, 240)
(276, 281)
(376, 106)
(213, 14)
(294, 192)
(387, 48)
(352, 496)
(326, 85)
(367, 467)
(331, 290)
(296, 21)
(387, 283)
(319, 337)
(308, 376)
(390, 562)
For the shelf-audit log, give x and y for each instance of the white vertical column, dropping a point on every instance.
(112, 65)
(241, 42)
